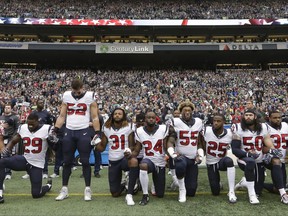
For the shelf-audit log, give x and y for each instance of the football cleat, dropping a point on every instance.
(97, 175)
(62, 195)
(45, 176)
(87, 194)
(26, 176)
(253, 199)
(49, 183)
(145, 200)
(74, 168)
(1, 199)
(284, 198)
(182, 195)
(129, 200)
(8, 177)
(232, 197)
(54, 175)
(241, 185)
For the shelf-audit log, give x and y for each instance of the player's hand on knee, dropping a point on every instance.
(6, 152)
(127, 152)
(199, 156)
(198, 159)
(253, 154)
(276, 153)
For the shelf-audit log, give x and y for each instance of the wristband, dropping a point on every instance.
(171, 151)
(200, 152)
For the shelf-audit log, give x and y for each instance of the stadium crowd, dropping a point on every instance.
(131, 9)
(224, 91)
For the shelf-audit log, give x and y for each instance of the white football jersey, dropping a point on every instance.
(186, 143)
(117, 141)
(216, 146)
(280, 138)
(78, 110)
(153, 144)
(35, 144)
(250, 140)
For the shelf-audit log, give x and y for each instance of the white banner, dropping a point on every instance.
(282, 45)
(106, 48)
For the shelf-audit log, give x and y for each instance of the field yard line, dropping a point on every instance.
(108, 194)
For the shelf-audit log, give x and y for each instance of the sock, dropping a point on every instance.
(231, 178)
(144, 179)
(181, 184)
(65, 188)
(250, 187)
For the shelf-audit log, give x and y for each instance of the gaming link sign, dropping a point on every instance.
(104, 48)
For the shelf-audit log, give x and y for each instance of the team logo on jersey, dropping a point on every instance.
(233, 128)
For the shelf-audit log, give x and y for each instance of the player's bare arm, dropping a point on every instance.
(268, 142)
(94, 116)
(102, 145)
(131, 145)
(16, 138)
(131, 141)
(201, 144)
(2, 146)
(137, 148)
(62, 116)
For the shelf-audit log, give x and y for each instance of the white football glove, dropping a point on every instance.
(96, 140)
(127, 150)
(199, 157)
(172, 152)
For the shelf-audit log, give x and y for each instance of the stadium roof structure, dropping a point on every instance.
(182, 42)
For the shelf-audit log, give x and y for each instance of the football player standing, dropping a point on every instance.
(78, 107)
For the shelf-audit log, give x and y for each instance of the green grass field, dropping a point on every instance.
(18, 200)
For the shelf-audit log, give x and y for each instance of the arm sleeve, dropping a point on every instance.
(236, 149)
